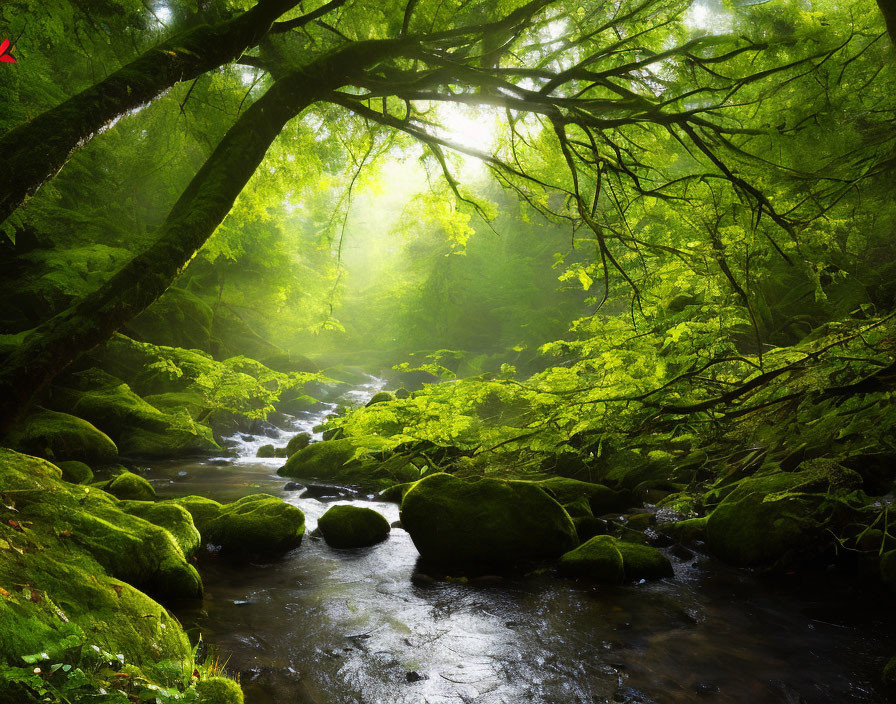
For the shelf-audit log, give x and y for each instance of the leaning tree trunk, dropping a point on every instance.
(888, 10)
(51, 347)
(33, 152)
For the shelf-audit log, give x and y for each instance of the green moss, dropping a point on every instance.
(598, 559)
(297, 442)
(173, 518)
(889, 673)
(189, 401)
(219, 690)
(266, 451)
(202, 510)
(60, 436)
(578, 508)
(353, 527)
(380, 397)
(128, 485)
(601, 499)
(781, 518)
(75, 472)
(346, 460)
(687, 531)
(610, 561)
(84, 559)
(402, 393)
(138, 427)
(490, 520)
(258, 524)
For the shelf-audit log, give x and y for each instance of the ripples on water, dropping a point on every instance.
(332, 626)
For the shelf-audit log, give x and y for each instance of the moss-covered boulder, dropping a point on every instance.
(297, 442)
(61, 436)
(128, 485)
(601, 499)
(380, 397)
(353, 527)
(778, 519)
(259, 524)
(173, 518)
(578, 508)
(454, 521)
(589, 526)
(356, 460)
(76, 472)
(91, 524)
(266, 452)
(139, 428)
(219, 690)
(607, 560)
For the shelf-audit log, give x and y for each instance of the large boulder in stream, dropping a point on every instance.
(454, 521)
(353, 526)
(61, 436)
(782, 518)
(259, 524)
(606, 560)
(355, 460)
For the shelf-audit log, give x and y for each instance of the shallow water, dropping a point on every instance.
(368, 625)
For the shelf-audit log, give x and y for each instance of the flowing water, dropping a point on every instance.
(373, 625)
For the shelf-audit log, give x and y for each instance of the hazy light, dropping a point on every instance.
(708, 16)
(163, 13)
(468, 126)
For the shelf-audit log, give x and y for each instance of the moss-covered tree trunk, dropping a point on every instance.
(50, 348)
(34, 152)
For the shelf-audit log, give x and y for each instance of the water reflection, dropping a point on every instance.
(324, 625)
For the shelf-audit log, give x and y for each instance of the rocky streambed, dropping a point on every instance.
(378, 625)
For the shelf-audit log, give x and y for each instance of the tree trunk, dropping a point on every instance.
(51, 347)
(888, 10)
(34, 152)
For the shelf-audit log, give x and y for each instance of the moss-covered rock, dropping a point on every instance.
(139, 428)
(200, 508)
(266, 452)
(600, 498)
(297, 442)
(889, 673)
(259, 524)
(579, 508)
(90, 523)
(61, 436)
(380, 397)
(589, 526)
(607, 560)
(782, 518)
(353, 527)
(687, 531)
(173, 518)
(598, 559)
(454, 521)
(355, 460)
(219, 690)
(75, 472)
(128, 485)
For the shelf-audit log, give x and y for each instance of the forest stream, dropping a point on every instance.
(372, 625)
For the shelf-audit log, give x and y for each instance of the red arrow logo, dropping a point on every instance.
(4, 53)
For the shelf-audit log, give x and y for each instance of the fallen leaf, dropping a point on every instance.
(35, 596)
(65, 533)
(15, 524)
(117, 588)
(5, 593)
